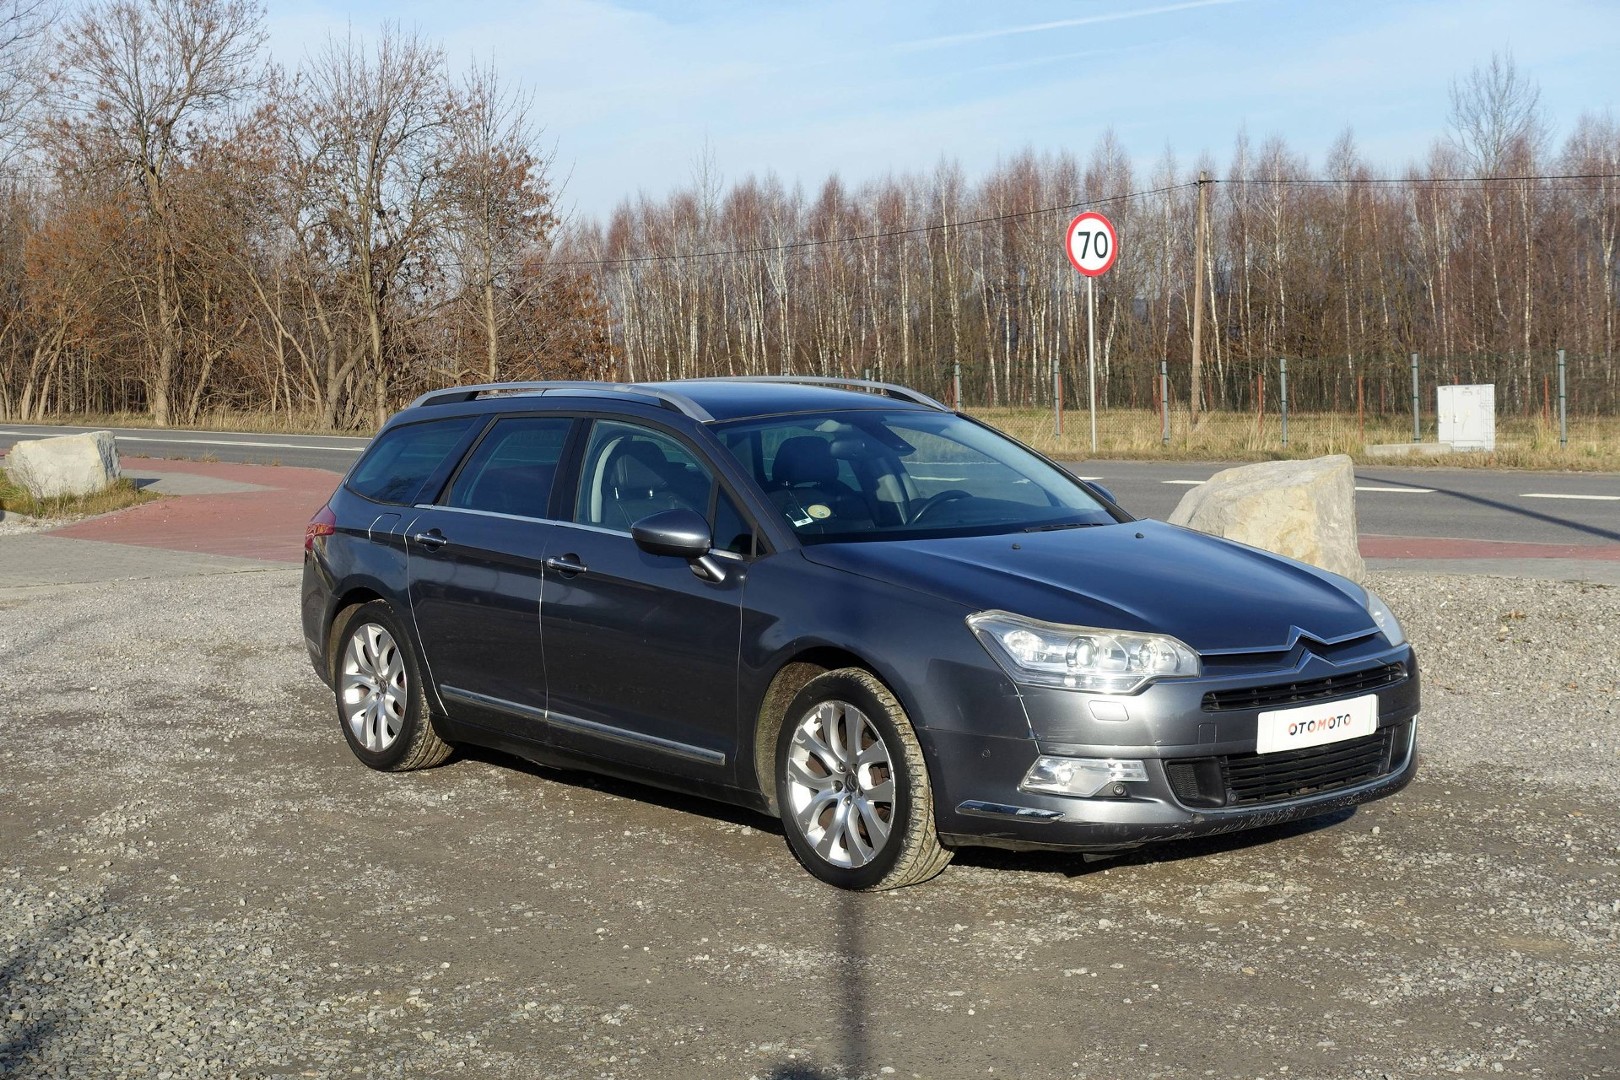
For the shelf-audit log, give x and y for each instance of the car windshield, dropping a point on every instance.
(904, 474)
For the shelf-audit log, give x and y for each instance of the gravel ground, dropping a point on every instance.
(199, 880)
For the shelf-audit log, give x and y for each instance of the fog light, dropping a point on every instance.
(1085, 777)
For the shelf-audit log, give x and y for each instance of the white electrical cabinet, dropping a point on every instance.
(1467, 416)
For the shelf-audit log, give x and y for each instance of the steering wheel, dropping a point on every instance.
(939, 498)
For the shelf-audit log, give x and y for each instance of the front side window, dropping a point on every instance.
(402, 459)
(631, 472)
(513, 467)
(879, 475)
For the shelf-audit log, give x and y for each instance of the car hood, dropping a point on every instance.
(1215, 595)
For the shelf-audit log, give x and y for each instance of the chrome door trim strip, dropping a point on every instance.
(512, 708)
(587, 727)
(637, 738)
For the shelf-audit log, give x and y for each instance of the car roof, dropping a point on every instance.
(737, 399)
(706, 400)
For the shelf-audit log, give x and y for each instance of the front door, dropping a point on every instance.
(641, 653)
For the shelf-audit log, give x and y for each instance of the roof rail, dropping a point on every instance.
(669, 399)
(903, 393)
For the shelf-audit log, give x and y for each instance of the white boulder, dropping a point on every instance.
(1303, 509)
(66, 465)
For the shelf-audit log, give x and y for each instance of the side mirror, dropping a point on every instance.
(1100, 490)
(679, 534)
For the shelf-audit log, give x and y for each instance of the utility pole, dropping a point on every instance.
(1198, 296)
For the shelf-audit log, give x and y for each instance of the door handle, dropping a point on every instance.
(433, 539)
(565, 564)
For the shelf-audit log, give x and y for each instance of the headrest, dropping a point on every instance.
(639, 465)
(804, 459)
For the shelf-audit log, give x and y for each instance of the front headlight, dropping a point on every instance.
(1385, 619)
(1080, 657)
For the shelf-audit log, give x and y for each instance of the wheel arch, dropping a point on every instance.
(355, 596)
(792, 673)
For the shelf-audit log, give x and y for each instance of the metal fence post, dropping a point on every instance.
(1563, 404)
(1417, 424)
(1283, 363)
(1164, 397)
(956, 386)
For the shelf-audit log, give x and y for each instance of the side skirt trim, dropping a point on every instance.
(586, 727)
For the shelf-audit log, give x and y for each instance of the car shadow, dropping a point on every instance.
(1068, 864)
(640, 792)
(1161, 852)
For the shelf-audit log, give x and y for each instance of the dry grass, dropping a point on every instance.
(1521, 443)
(124, 493)
(263, 423)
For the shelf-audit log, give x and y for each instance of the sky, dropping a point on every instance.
(634, 95)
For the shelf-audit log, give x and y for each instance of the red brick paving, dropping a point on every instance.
(1436, 547)
(248, 524)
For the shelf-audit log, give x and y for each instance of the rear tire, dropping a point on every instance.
(378, 684)
(855, 799)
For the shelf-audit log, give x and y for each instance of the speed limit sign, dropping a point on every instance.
(1092, 243)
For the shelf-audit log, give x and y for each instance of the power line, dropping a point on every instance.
(1019, 215)
(1419, 179)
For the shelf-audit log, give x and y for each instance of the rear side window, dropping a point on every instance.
(512, 470)
(400, 461)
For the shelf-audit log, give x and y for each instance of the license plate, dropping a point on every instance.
(1317, 725)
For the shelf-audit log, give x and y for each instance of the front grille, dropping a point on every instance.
(1268, 697)
(1257, 779)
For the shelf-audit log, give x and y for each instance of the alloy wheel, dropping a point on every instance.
(373, 691)
(840, 781)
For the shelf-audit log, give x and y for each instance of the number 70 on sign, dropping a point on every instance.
(1091, 243)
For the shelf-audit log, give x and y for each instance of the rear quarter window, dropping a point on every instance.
(402, 459)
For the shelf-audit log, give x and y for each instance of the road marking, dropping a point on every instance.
(1187, 483)
(1590, 498)
(225, 442)
(1397, 490)
(214, 442)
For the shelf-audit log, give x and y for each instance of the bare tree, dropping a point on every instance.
(134, 77)
(372, 126)
(498, 203)
(24, 25)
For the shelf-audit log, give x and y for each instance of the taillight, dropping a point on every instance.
(322, 524)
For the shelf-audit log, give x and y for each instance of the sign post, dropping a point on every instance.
(1092, 245)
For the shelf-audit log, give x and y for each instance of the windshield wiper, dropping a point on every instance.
(1056, 525)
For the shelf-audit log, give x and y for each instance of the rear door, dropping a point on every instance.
(475, 559)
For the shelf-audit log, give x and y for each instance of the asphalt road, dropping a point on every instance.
(334, 452)
(1469, 504)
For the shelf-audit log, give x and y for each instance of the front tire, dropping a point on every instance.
(379, 694)
(853, 789)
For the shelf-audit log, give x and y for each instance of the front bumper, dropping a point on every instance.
(1203, 775)
(1023, 820)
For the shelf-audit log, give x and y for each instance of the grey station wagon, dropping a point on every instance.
(844, 604)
